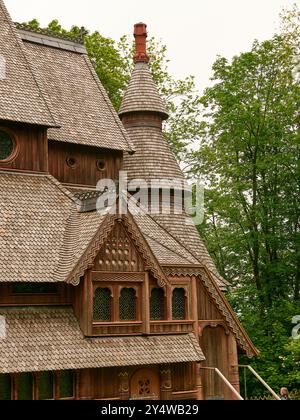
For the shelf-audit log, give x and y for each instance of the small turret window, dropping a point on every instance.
(6, 146)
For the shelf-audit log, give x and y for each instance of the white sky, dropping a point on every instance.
(195, 31)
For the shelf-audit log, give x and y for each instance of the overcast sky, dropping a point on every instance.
(195, 31)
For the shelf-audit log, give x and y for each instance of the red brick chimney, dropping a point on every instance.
(140, 34)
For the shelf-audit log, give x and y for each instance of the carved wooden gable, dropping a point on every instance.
(119, 253)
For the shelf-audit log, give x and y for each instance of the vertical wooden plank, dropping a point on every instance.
(146, 304)
(194, 308)
(233, 364)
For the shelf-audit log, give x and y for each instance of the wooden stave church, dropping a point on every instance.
(72, 279)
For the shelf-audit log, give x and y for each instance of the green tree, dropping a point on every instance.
(113, 63)
(248, 157)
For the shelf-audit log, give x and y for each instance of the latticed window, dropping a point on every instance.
(178, 304)
(127, 305)
(102, 305)
(25, 386)
(157, 305)
(5, 387)
(46, 386)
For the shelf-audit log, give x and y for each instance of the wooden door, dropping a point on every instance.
(214, 345)
(145, 385)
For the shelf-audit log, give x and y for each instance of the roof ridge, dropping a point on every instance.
(109, 104)
(147, 214)
(64, 190)
(47, 31)
(190, 251)
(19, 44)
(168, 248)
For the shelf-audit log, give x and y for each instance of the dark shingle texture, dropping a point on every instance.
(50, 339)
(142, 93)
(76, 98)
(20, 97)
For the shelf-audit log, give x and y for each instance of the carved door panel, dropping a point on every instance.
(145, 385)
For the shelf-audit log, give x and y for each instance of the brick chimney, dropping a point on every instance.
(140, 35)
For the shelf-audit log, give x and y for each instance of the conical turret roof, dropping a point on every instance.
(21, 99)
(142, 93)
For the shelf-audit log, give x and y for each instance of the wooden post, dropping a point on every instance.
(84, 378)
(199, 386)
(169, 293)
(146, 305)
(233, 364)
(194, 310)
(166, 383)
(124, 385)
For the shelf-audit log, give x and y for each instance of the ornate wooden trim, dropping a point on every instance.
(230, 317)
(145, 250)
(88, 258)
(220, 301)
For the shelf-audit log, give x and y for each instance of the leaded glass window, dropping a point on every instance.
(46, 386)
(102, 305)
(157, 305)
(178, 304)
(66, 384)
(5, 387)
(127, 305)
(25, 386)
(6, 145)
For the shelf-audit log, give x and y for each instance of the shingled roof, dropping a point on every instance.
(42, 235)
(74, 94)
(20, 96)
(50, 339)
(142, 93)
(153, 158)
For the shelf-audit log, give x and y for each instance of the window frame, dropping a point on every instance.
(185, 303)
(165, 317)
(111, 303)
(115, 297)
(15, 143)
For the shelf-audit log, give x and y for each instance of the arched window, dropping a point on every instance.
(127, 305)
(157, 305)
(102, 305)
(178, 304)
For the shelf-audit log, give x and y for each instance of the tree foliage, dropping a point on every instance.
(249, 158)
(113, 62)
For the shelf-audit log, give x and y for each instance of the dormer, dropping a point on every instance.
(90, 142)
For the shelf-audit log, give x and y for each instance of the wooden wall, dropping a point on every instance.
(31, 147)
(62, 297)
(84, 171)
